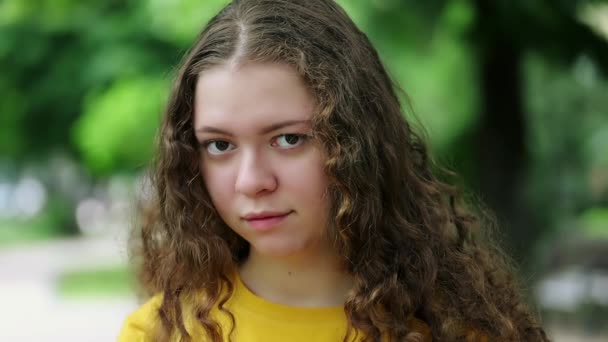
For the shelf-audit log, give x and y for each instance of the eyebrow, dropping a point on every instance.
(264, 130)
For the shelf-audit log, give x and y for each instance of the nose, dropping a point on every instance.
(255, 176)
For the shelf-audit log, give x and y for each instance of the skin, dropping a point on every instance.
(257, 155)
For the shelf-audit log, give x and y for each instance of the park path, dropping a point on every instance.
(31, 308)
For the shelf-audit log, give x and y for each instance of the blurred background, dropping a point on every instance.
(513, 95)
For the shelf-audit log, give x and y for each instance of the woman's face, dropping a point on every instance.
(262, 170)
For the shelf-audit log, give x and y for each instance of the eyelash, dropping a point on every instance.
(303, 139)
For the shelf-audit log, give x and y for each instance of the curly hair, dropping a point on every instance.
(410, 243)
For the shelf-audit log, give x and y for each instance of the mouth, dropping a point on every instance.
(265, 215)
(265, 221)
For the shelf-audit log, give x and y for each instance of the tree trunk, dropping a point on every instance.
(500, 138)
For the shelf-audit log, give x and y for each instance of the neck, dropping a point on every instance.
(306, 280)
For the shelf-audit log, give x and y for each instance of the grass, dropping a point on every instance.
(595, 222)
(104, 282)
(19, 231)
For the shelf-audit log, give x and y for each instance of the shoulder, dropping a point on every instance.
(139, 324)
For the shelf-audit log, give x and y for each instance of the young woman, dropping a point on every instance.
(295, 203)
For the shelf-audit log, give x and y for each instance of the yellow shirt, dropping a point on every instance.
(257, 320)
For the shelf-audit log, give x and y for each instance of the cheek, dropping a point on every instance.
(220, 185)
(305, 179)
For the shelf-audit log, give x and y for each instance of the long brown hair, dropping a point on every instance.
(410, 245)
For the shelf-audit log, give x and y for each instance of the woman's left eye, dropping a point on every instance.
(288, 141)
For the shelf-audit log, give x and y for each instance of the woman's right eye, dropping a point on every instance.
(217, 147)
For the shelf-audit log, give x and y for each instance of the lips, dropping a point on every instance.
(264, 215)
(265, 221)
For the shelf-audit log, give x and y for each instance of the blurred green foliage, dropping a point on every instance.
(567, 138)
(127, 111)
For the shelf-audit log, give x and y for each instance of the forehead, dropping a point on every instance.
(250, 96)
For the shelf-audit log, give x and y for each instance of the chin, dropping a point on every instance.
(279, 251)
